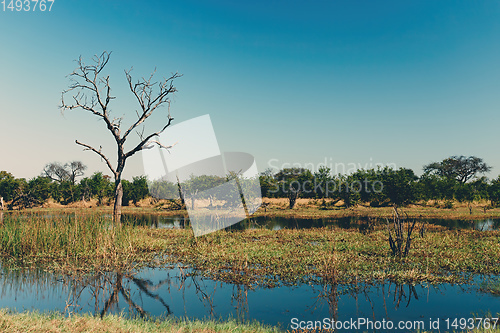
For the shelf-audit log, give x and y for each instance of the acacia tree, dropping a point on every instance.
(56, 172)
(91, 91)
(75, 169)
(460, 168)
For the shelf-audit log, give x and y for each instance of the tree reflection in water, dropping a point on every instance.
(189, 294)
(105, 290)
(331, 292)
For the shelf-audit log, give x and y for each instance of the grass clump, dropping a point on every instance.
(56, 323)
(71, 242)
(312, 255)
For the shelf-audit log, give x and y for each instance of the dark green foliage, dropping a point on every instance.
(494, 192)
(162, 189)
(460, 168)
(322, 178)
(294, 181)
(133, 191)
(370, 186)
(268, 185)
(454, 178)
(32, 193)
(139, 189)
(100, 187)
(381, 187)
(84, 189)
(348, 190)
(399, 185)
(66, 191)
(127, 192)
(39, 188)
(8, 185)
(433, 187)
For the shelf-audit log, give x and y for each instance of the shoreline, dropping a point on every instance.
(305, 208)
(45, 322)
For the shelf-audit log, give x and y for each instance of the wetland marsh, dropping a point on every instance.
(269, 269)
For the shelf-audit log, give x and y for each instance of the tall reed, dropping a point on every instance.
(86, 239)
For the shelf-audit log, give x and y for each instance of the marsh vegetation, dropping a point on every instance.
(338, 259)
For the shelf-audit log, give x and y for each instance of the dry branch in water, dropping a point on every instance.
(401, 242)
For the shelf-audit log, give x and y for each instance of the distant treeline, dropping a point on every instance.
(22, 193)
(455, 178)
(381, 187)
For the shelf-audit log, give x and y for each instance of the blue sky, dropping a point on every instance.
(353, 82)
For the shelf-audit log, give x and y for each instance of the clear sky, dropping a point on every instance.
(393, 82)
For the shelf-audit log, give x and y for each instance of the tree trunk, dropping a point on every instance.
(179, 189)
(292, 197)
(117, 209)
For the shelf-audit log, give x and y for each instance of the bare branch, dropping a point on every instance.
(146, 140)
(85, 79)
(143, 91)
(98, 152)
(150, 145)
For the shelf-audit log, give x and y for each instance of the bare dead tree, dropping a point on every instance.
(56, 172)
(91, 92)
(75, 169)
(67, 172)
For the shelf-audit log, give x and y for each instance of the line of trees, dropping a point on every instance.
(58, 182)
(455, 178)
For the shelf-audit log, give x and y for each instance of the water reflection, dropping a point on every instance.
(182, 292)
(364, 224)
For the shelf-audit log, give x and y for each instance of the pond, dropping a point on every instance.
(277, 223)
(182, 292)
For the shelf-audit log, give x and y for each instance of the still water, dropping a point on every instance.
(277, 223)
(181, 292)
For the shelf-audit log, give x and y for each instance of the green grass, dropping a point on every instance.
(56, 322)
(73, 242)
(251, 257)
(336, 255)
(37, 322)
